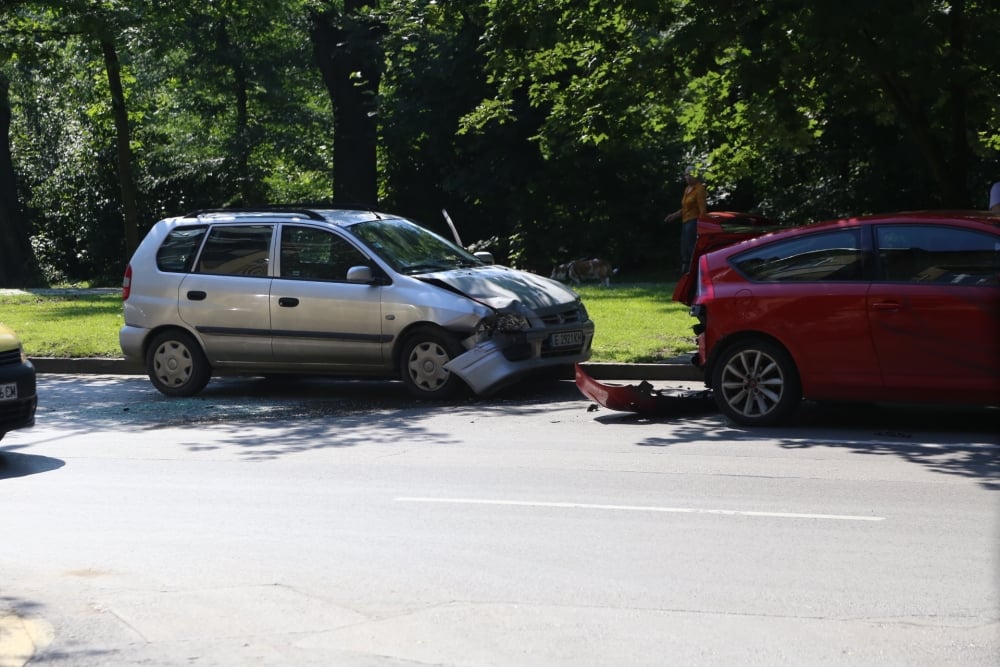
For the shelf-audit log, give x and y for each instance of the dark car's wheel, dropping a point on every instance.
(755, 383)
(176, 364)
(422, 358)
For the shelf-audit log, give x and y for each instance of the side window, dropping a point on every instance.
(179, 248)
(308, 253)
(938, 254)
(822, 256)
(236, 250)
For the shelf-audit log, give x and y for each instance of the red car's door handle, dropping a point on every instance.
(885, 305)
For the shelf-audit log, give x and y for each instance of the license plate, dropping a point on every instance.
(8, 392)
(567, 339)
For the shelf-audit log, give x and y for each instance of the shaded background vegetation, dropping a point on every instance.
(549, 129)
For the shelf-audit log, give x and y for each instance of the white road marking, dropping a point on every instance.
(640, 508)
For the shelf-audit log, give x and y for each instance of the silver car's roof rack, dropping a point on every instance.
(303, 212)
(307, 211)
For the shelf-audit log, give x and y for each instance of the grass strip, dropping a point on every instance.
(635, 323)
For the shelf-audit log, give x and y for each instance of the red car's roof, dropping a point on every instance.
(722, 230)
(907, 217)
(930, 216)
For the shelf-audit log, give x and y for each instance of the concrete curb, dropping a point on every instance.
(86, 366)
(678, 369)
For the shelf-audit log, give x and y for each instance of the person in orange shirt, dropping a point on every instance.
(693, 206)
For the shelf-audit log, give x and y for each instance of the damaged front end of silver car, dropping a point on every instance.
(513, 344)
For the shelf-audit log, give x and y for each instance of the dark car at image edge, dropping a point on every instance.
(901, 307)
(18, 398)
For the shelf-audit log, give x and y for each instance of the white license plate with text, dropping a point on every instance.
(8, 391)
(567, 339)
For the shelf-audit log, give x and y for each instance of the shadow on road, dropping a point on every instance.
(951, 440)
(275, 418)
(265, 418)
(13, 464)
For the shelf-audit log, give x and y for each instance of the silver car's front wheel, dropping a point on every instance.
(756, 383)
(422, 360)
(176, 365)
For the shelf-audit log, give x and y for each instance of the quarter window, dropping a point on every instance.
(179, 248)
(826, 256)
(236, 250)
(938, 254)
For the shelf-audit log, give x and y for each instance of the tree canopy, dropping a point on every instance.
(549, 129)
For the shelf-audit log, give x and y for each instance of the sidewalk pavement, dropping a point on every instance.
(676, 369)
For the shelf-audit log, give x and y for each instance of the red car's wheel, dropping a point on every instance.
(755, 383)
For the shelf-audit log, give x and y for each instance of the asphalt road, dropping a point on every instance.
(327, 523)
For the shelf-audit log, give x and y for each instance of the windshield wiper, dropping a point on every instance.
(425, 268)
(444, 265)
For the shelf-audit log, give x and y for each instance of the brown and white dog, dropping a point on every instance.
(585, 269)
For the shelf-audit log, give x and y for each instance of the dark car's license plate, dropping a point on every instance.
(566, 339)
(8, 392)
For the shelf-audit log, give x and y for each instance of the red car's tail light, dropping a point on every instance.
(127, 283)
(705, 289)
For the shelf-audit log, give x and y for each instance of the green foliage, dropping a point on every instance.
(550, 130)
(855, 106)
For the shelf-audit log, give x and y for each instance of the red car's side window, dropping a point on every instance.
(938, 254)
(828, 256)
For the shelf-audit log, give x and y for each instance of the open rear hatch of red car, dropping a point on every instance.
(717, 230)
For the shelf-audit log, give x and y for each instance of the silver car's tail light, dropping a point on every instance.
(127, 283)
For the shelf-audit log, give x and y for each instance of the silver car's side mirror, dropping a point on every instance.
(484, 257)
(360, 274)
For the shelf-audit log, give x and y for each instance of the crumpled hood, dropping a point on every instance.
(498, 286)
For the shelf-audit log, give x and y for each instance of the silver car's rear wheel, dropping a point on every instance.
(756, 383)
(176, 365)
(422, 359)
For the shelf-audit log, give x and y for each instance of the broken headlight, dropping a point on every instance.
(511, 323)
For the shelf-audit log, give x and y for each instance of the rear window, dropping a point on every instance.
(827, 256)
(743, 224)
(178, 250)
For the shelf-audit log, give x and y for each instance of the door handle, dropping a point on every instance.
(196, 295)
(885, 305)
(288, 302)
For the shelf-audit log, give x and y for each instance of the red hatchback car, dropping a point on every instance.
(888, 308)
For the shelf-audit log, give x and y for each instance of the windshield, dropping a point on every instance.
(409, 248)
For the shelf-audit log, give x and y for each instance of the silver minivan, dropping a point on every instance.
(342, 292)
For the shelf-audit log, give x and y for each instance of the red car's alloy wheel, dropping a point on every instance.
(756, 383)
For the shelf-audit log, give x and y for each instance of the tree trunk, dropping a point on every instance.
(17, 262)
(130, 195)
(344, 48)
(959, 93)
(231, 55)
(916, 120)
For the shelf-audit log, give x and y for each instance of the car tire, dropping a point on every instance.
(176, 364)
(423, 355)
(755, 383)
